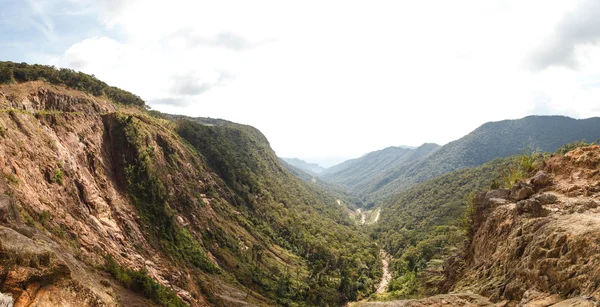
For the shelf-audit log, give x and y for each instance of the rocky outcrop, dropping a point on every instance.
(34, 273)
(521, 191)
(540, 180)
(39, 96)
(61, 209)
(8, 212)
(541, 246)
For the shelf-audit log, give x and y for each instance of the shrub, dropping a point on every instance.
(570, 146)
(58, 176)
(140, 282)
(45, 217)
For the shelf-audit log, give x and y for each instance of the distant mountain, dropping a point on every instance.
(311, 168)
(359, 174)
(489, 141)
(380, 174)
(340, 192)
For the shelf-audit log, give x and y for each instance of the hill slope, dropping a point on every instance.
(359, 174)
(489, 141)
(102, 203)
(424, 224)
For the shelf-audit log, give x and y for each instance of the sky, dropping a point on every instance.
(326, 81)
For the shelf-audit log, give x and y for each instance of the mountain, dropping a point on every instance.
(381, 174)
(311, 168)
(103, 202)
(493, 140)
(359, 174)
(342, 194)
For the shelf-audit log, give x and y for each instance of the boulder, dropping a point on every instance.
(499, 193)
(7, 211)
(521, 191)
(497, 201)
(540, 180)
(531, 207)
(546, 199)
(6, 299)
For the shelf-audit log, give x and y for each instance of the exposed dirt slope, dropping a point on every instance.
(97, 198)
(63, 206)
(540, 241)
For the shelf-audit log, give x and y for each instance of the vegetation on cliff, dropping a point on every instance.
(22, 72)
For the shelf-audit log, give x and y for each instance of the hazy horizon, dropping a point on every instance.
(327, 81)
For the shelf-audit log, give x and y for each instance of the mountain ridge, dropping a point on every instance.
(489, 141)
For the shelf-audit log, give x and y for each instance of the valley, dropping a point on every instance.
(104, 202)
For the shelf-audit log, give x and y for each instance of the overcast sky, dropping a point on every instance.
(327, 80)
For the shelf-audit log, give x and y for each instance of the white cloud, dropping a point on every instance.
(578, 27)
(340, 78)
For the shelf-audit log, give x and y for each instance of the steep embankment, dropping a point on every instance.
(540, 247)
(103, 204)
(535, 244)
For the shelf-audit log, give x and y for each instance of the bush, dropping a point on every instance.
(570, 146)
(58, 176)
(141, 282)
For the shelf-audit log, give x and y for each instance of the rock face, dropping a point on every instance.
(540, 249)
(8, 212)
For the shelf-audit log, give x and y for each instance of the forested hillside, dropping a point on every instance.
(362, 175)
(496, 140)
(375, 181)
(343, 194)
(423, 225)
